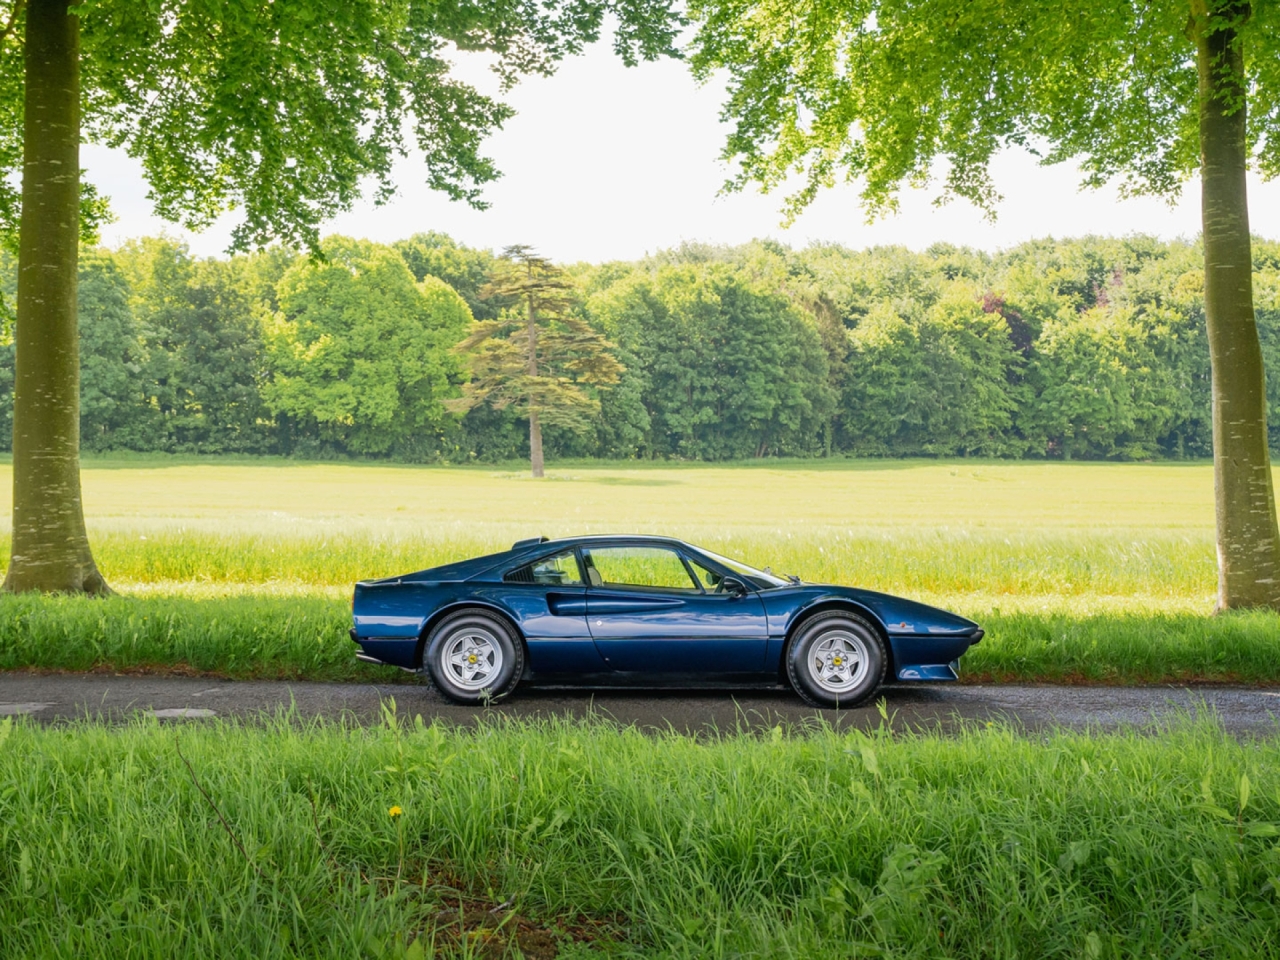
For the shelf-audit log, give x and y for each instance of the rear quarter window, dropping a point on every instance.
(555, 571)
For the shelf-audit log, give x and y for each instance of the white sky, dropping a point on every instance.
(604, 162)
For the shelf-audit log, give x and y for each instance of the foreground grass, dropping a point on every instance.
(820, 845)
(305, 636)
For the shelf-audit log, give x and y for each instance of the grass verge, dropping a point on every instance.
(279, 841)
(294, 637)
(304, 636)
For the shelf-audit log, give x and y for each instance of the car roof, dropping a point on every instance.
(594, 537)
(522, 547)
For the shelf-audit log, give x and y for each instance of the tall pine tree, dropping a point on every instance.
(537, 356)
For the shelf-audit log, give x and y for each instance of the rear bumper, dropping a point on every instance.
(386, 651)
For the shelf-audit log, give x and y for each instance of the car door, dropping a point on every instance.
(649, 614)
(549, 599)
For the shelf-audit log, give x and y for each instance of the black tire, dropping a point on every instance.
(485, 640)
(826, 638)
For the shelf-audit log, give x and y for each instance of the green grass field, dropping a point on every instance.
(571, 839)
(982, 845)
(1098, 571)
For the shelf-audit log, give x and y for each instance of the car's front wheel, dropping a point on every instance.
(836, 659)
(474, 657)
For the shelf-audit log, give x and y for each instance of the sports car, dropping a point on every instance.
(615, 611)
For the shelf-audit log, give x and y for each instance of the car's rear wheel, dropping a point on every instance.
(473, 656)
(836, 659)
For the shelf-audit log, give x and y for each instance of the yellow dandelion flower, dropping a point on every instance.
(395, 811)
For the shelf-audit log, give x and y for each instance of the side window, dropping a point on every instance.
(710, 579)
(638, 567)
(557, 571)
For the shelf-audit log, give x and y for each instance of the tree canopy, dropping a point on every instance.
(537, 356)
(288, 111)
(894, 92)
(726, 369)
(1092, 348)
(360, 352)
(878, 91)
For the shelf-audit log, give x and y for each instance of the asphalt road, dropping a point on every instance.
(54, 698)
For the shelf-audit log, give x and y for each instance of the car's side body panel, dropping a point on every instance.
(554, 624)
(608, 634)
(653, 632)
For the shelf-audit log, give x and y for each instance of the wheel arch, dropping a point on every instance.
(459, 605)
(827, 605)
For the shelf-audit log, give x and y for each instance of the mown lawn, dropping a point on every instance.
(279, 840)
(1089, 572)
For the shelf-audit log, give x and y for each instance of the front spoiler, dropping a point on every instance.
(930, 671)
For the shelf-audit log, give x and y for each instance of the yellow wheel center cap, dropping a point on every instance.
(471, 659)
(837, 661)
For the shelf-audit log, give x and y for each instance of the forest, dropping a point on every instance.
(1089, 348)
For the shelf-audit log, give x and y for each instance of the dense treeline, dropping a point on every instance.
(1090, 348)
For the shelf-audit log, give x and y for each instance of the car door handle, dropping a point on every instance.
(567, 604)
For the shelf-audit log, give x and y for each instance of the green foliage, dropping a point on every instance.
(466, 270)
(285, 110)
(1102, 389)
(205, 365)
(951, 352)
(816, 845)
(360, 352)
(111, 358)
(936, 382)
(724, 368)
(537, 356)
(878, 92)
(1092, 348)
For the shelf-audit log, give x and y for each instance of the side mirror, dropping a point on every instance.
(734, 586)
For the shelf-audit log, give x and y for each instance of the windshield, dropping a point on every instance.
(759, 577)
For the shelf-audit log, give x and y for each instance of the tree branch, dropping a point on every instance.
(13, 19)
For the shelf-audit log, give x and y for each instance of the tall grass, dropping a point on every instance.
(820, 845)
(305, 636)
(1080, 571)
(285, 637)
(938, 527)
(1159, 566)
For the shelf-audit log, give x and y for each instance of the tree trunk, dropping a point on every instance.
(535, 444)
(535, 427)
(1248, 541)
(50, 549)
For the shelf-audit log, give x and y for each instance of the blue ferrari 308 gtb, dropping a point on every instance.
(646, 611)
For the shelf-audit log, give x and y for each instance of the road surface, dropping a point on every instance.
(61, 697)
